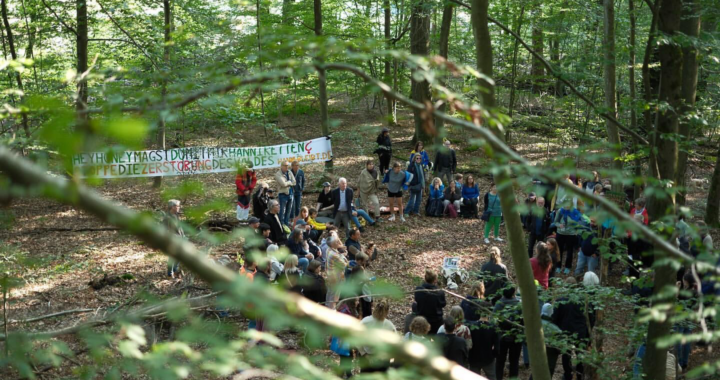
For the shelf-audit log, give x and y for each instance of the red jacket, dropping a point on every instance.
(245, 182)
(646, 218)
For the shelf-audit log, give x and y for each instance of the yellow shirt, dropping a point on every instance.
(316, 225)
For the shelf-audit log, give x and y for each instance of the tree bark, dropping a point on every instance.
(167, 24)
(537, 70)
(447, 17)
(690, 26)
(515, 234)
(13, 54)
(518, 30)
(82, 60)
(420, 45)
(712, 211)
(322, 80)
(648, 93)
(669, 16)
(610, 85)
(390, 120)
(633, 105)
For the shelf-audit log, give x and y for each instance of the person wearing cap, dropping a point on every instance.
(298, 188)
(286, 182)
(260, 200)
(445, 163)
(245, 181)
(342, 205)
(538, 224)
(368, 184)
(255, 237)
(384, 150)
(325, 201)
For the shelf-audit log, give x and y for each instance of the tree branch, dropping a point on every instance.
(132, 40)
(68, 27)
(58, 314)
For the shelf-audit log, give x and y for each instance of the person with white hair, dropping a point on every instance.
(286, 183)
(445, 163)
(272, 219)
(171, 221)
(342, 205)
(337, 262)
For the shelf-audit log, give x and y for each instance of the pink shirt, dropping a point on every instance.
(541, 276)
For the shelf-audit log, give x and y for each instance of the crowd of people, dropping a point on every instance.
(484, 332)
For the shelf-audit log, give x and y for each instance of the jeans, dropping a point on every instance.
(683, 350)
(414, 200)
(494, 222)
(445, 175)
(638, 366)
(591, 262)
(286, 204)
(364, 215)
(303, 264)
(508, 347)
(526, 354)
(297, 203)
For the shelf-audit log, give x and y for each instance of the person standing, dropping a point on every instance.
(538, 224)
(298, 188)
(494, 275)
(342, 205)
(572, 317)
(492, 204)
(384, 150)
(397, 180)
(245, 182)
(541, 265)
(454, 347)
(420, 151)
(171, 221)
(368, 184)
(417, 185)
(509, 348)
(430, 301)
(260, 200)
(286, 181)
(445, 163)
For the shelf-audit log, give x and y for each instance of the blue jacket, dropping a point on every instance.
(299, 181)
(408, 177)
(425, 158)
(470, 192)
(437, 194)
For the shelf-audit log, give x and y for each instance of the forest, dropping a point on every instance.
(326, 189)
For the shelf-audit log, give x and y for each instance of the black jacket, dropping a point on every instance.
(484, 347)
(415, 181)
(430, 304)
(511, 312)
(472, 308)
(260, 203)
(314, 287)
(570, 317)
(494, 276)
(336, 199)
(454, 348)
(277, 232)
(445, 159)
(533, 220)
(452, 197)
(384, 141)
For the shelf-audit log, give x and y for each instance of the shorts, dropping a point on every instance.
(394, 195)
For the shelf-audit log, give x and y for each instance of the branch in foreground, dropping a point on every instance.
(26, 174)
(47, 316)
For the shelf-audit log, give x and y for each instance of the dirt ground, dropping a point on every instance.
(70, 251)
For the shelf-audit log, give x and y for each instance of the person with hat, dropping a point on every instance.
(325, 202)
(384, 150)
(260, 200)
(445, 163)
(245, 181)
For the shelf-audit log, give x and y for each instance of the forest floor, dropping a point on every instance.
(69, 250)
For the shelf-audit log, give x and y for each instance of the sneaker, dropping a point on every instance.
(566, 271)
(557, 271)
(391, 218)
(486, 241)
(497, 239)
(402, 218)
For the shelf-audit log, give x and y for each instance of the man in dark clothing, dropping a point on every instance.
(508, 307)
(430, 301)
(342, 205)
(494, 275)
(277, 232)
(313, 283)
(570, 318)
(353, 244)
(409, 318)
(484, 348)
(445, 164)
(454, 347)
(261, 199)
(537, 225)
(325, 201)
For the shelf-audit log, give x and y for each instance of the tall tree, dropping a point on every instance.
(322, 80)
(167, 30)
(661, 205)
(513, 226)
(388, 61)
(537, 70)
(447, 17)
(690, 26)
(610, 82)
(13, 54)
(712, 210)
(82, 59)
(631, 84)
(420, 45)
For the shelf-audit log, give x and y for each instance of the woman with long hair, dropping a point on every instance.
(554, 250)
(452, 199)
(435, 206)
(494, 275)
(470, 195)
(457, 314)
(420, 149)
(291, 274)
(475, 302)
(541, 264)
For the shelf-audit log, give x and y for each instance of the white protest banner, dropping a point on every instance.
(198, 160)
(451, 263)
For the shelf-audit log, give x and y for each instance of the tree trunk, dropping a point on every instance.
(712, 211)
(518, 30)
(82, 61)
(537, 70)
(388, 61)
(13, 54)
(515, 235)
(322, 81)
(447, 17)
(690, 26)
(163, 81)
(648, 93)
(420, 45)
(666, 127)
(610, 85)
(633, 112)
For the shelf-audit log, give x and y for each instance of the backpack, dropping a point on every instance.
(450, 211)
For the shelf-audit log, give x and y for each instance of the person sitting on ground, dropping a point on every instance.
(397, 180)
(435, 205)
(347, 306)
(298, 247)
(261, 200)
(312, 221)
(359, 277)
(459, 181)
(457, 314)
(313, 284)
(265, 231)
(354, 246)
(470, 197)
(358, 213)
(276, 267)
(431, 301)
(337, 262)
(492, 204)
(418, 328)
(409, 317)
(484, 346)
(475, 302)
(368, 184)
(454, 347)
(272, 219)
(171, 221)
(255, 239)
(445, 163)
(494, 275)
(378, 320)
(290, 276)
(245, 182)
(452, 198)
(541, 264)
(509, 348)
(249, 267)
(425, 159)
(538, 224)
(325, 202)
